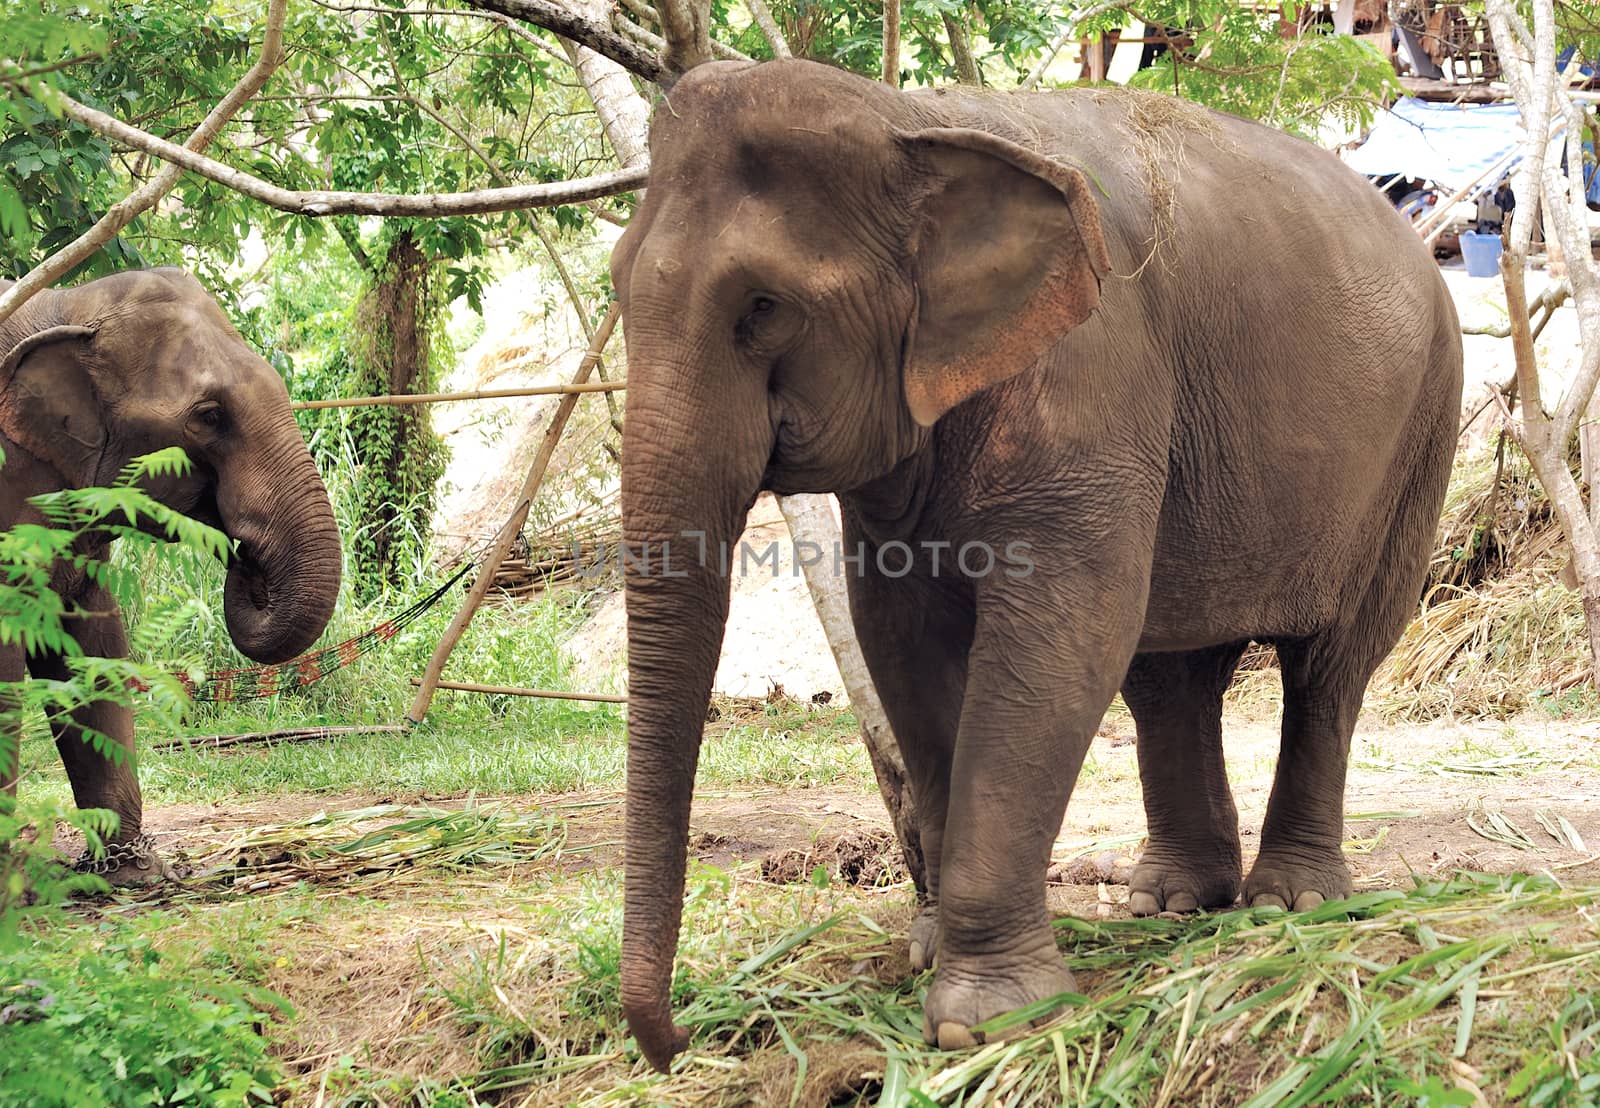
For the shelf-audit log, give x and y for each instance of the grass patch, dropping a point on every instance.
(383, 839)
(803, 995)
(535, 748)
(457, 993)
(1377, 999)
(102, 1016)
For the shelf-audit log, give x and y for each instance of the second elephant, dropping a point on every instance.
(95, 376)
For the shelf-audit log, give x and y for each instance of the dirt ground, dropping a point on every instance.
(1415, 793)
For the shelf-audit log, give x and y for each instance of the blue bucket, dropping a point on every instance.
(1481, 253)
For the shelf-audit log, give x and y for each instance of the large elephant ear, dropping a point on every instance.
(1008, 256)
(48, 404)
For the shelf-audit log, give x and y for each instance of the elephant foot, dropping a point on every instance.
(967, 992)
(1164, 882)
(924, 937)
(128, 863)
(1301, 880)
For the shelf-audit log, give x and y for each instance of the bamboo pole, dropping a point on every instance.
(293, 734)
(509, 690)
(519, 515)
(396, 399)
(1434, 223)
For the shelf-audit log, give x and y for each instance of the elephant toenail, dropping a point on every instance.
(1182, 902)
(953, 1036)
(1307, 901)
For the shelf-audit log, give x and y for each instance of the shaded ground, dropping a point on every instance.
(1414, 795)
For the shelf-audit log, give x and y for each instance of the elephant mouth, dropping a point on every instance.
(205, 509)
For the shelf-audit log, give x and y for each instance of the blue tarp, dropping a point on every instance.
(1447, 144)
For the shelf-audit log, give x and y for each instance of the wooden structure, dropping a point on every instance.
(502, 545)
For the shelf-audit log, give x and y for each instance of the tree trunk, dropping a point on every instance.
(390, 351)
(1546, 196)
(624, 115)
(810, 519)
(961, 51)
(891, 43)
(769, 27)
(626, 122)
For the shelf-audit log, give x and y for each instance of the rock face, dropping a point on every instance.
(773, 637)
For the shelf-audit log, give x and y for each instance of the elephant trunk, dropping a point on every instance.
(683, 506)
(284, 581)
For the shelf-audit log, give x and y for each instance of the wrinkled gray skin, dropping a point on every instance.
(1210, 382)
(94, 376)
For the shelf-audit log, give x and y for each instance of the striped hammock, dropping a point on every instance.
(262, 681)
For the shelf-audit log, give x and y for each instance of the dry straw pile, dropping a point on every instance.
(1499, 632)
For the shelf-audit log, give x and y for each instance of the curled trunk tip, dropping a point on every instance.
(660, 1040)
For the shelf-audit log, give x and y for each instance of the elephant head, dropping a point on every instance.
(95, 376)
(821, 269)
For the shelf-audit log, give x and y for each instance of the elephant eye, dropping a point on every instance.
(760, 311)
(212, 418)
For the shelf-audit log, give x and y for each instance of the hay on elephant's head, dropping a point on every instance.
(1159, 130)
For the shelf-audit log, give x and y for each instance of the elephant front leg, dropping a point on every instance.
(103, 780)
(914, 634)
(1040, 677)
(13, 669)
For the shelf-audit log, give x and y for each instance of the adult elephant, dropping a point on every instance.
(94, 376)
(1109, 386)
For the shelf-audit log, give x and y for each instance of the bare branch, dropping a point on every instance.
(1546, 302)
(769, 27)
(1066, 35)
(319, 202)
(596, 34)
(653, 41)
(624, 114)
(16, 79)
(81, 249)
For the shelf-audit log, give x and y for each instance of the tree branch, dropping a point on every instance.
(595, 34)
(769, 27)
(16, 79)
(321, 202)
(961, 51)
(1067, 32)
(81, 249)
(653, 41)
(686, 25)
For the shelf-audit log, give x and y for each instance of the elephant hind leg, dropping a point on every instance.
(1324, 679)
(1193, 857)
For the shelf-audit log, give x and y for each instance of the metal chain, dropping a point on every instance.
(141, 851)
